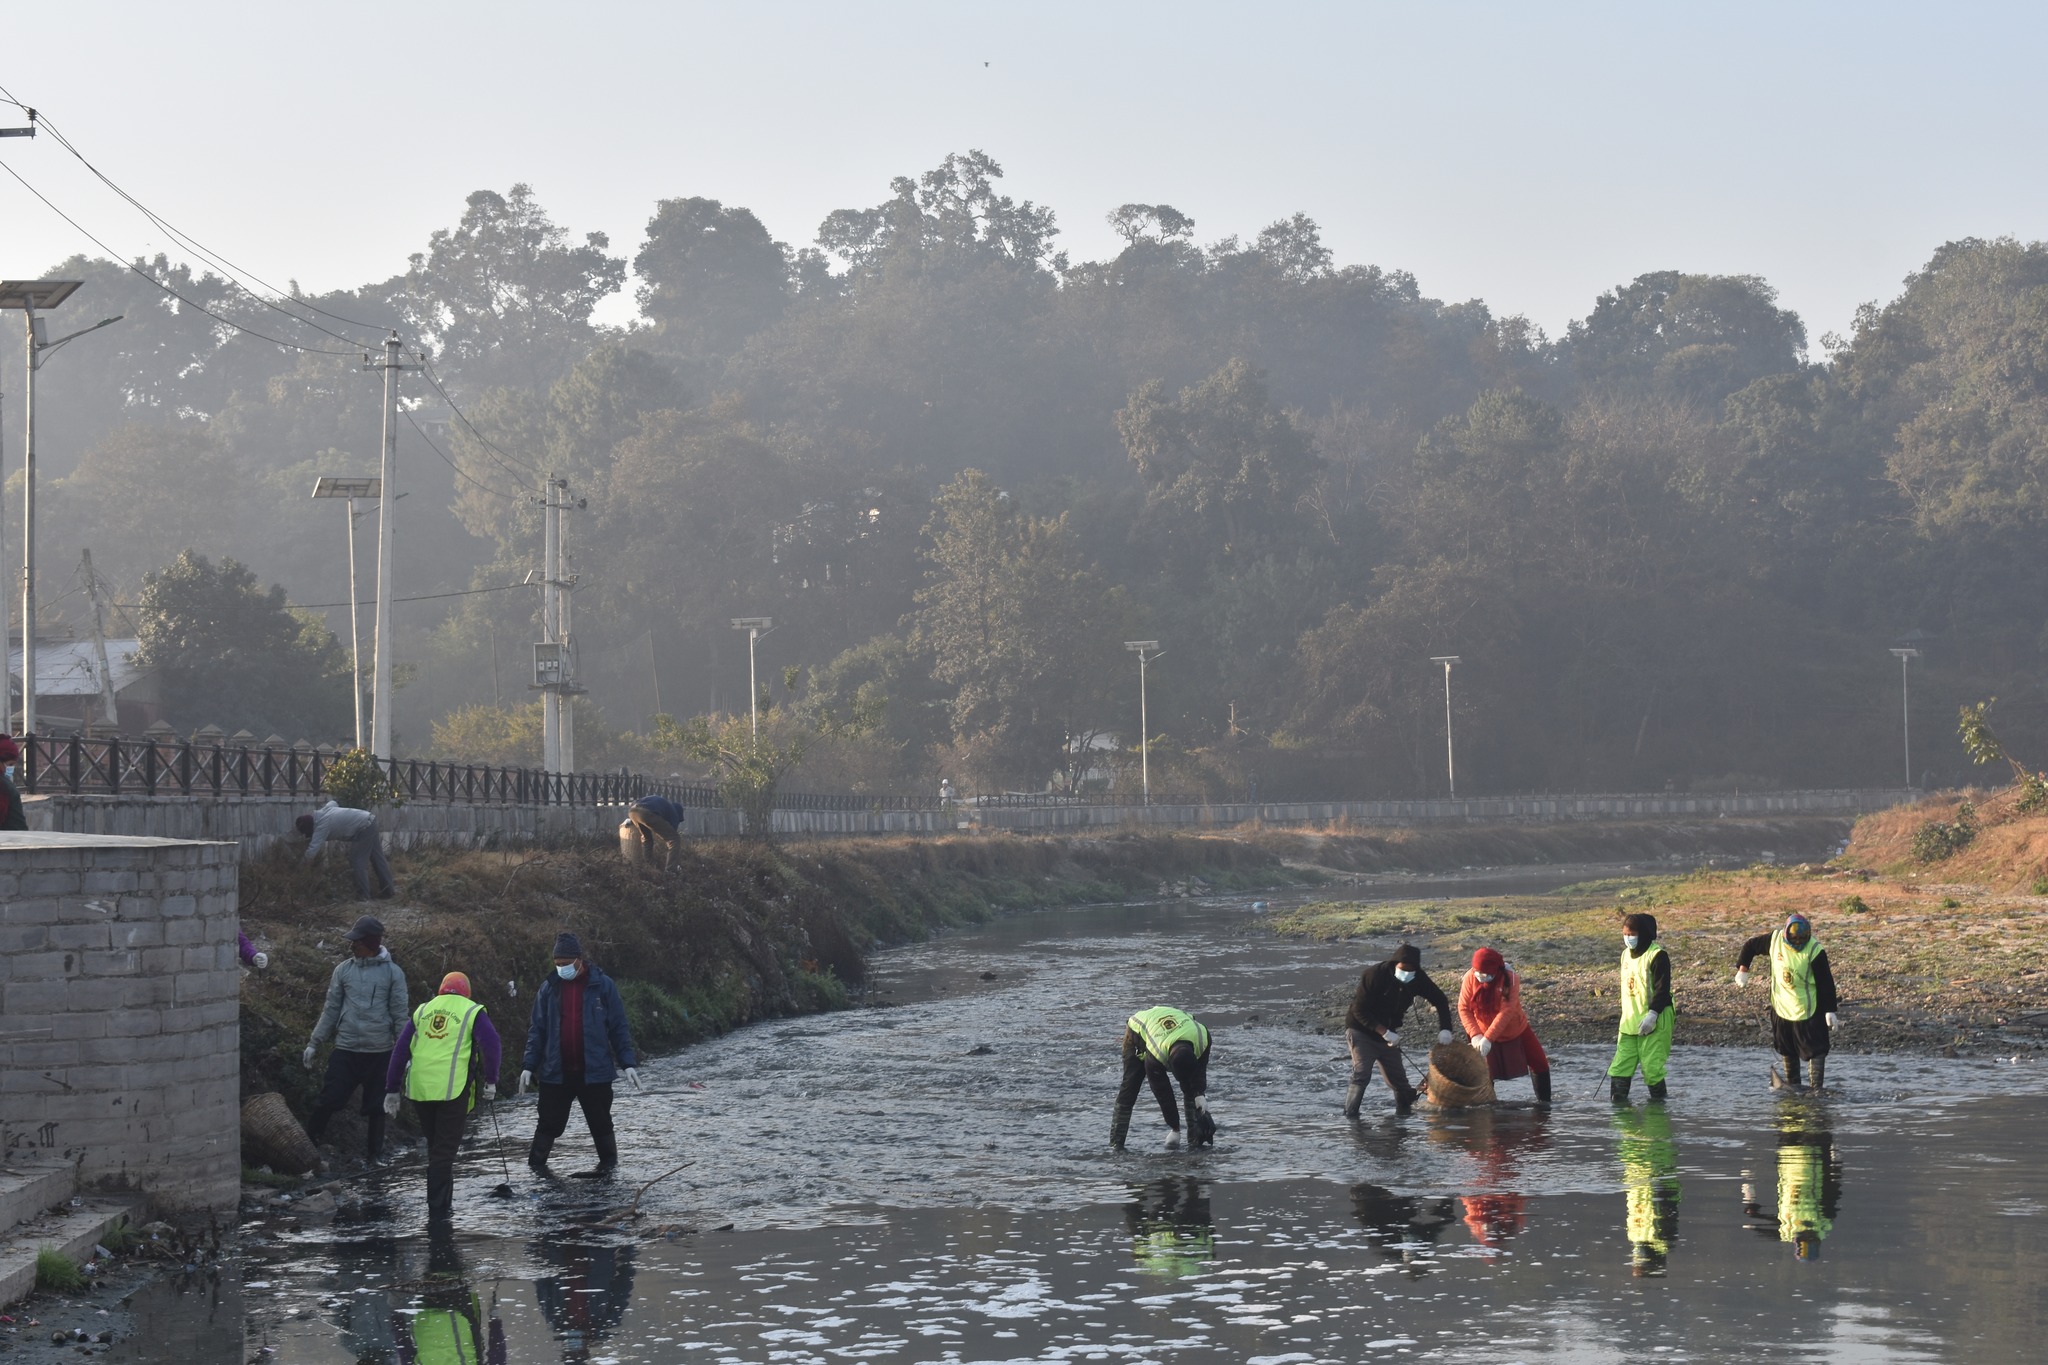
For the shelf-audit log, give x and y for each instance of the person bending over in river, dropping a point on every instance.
(1645, 1037)
(1803, 1002)
(1157, 1042)
(1490, 1007)
(1372, 1027)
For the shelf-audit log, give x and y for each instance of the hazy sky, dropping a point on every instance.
(1527, 154)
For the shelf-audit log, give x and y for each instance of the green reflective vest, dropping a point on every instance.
(1162, 1026)
(1802, 1169)
(1792, 994)
(443, 1032)
(1635, 986)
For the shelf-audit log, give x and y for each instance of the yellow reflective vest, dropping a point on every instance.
(443, 1035)
(1802, 1172)
(1635, 986)
(1792, 993)
(1162, 1026)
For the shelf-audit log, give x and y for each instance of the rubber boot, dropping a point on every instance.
(1820, 1072)
(1352, 1098)
(1191, 1124)
(440, 1193)
(607, 1158)
(1792, 1072)
(537, 1154)
(1657, 1090)
(1120, 1127)
(1541, 1081)
(373, 1145)
(1617, 1088)
(1405, 1101)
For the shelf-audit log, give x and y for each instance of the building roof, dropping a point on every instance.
(70, 668)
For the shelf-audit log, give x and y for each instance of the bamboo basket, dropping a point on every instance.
(272, 1137)
(1458, 1077)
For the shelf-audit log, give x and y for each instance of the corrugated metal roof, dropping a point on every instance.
(70, 668)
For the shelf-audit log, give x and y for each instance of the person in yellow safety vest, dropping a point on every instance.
(447, 1042)
(1645, 1037)
(1809, 1189)
(1803, 1003)
(1649, 1172)
(1158, 1042)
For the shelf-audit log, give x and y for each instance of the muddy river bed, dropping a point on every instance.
(930, 1181)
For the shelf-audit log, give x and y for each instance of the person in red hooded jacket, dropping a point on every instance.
(1490, 1007)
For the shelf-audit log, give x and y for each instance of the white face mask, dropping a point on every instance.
(1484, 978)
(567, 973)
(1628, 940)
(1403, 975)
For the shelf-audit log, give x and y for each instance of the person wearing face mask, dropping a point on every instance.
(1803, 1001)
(366, 1010)
(1490, 1008)
(577, 1044)
(14, 817)
(1645, 1038)
(1385, 992)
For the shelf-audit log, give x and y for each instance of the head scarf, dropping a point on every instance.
(1798, 931)
(1487, 994)
(455, 983)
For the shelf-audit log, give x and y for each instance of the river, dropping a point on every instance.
(930, 1181)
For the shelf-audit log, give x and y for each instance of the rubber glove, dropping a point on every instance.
(633, 1075)
(1484, 1044)
(525, 1081)
(391, 1104)
(1742, 976)
(1444, 1038)
(307, 1056)
(1393, 1038)
(1649, 1025)
(1834, 1020)
(262, 961)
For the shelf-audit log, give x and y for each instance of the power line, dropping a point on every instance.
(421, 432)
(522, 468)
(366, 602)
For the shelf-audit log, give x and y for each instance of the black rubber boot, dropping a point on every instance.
(1820, 1072)
(537, 1154)
(1541, 1081)
(1352, 1099)
(1792, 1072)
(316, 1125)
(1404, 1101)
(1191, 1123)
(1617, 1088)
(607, 1158)
(1657, 1090)
(1120, 1127)
(373, 1145)
(440, 1193)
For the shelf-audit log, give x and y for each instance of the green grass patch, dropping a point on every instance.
(57, 1273)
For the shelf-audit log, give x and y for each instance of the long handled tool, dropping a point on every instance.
(503, 1189)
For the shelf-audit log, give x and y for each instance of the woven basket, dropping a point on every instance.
(272, 1137)
(1458, 1077)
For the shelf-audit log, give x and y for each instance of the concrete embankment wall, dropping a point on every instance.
(120, 1022)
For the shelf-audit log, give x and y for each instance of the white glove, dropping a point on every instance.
(633, 1075)
(1649, 1024)
(1485, 1045)
(1443, 1037)
(391, 1104)
(525, 1081)
(1742, 976)
(1393, 1039)
(1834, 1020)
(262, 961)
(307, 1056)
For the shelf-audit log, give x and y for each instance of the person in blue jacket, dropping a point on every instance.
(656, 819)
(577, 1043)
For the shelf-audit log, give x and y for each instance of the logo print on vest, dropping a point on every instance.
(437, 1024)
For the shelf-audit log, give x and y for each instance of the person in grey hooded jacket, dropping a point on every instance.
(366, 1010)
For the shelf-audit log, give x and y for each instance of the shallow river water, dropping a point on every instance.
(931, 1182)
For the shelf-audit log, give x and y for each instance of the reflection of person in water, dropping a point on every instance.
(1649, 1168)
(1498, 1139)
(1809, 1186)
(448, 1327)
(1405, 1227)
(590, 1295)
(1172, 1233)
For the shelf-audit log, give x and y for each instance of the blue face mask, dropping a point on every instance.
(567, 973)
(1403, 975)
(10, 772)
(1628, 940)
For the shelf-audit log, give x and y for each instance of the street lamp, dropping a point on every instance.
(1905, 658)
(1145, 650)
(1450, 754)
(29, 296)
(755, 627)
(334, 486)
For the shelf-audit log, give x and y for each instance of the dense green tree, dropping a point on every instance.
(711, 277)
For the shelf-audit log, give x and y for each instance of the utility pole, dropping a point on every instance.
(380, 685)
(110, 708)
(1144, 649)
(554, 658)
(348, 490)
(1905, 658)
(1450, 753)
(755, 627)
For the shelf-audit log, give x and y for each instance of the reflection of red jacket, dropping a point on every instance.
(1493, 1218)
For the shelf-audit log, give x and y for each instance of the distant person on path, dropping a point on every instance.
(1803, 1001)
(1159, 1042)
(1646, 1011)
(365, 849)
(447, 1045)
(657, 818)
(1490, 1007)
(1386, 990)
(577, 1043)
(366, 1009)
(14, 817)
(247, 951)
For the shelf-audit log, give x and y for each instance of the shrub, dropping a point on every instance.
(2041, 884)
(1939, 839)
(57, 1273)
(1951, 903)
(355, 780)
(657, 1018)
(1855, 904)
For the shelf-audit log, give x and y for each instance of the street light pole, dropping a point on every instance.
(1144, 649)
(380, 688)
(755, 627)
(1450, 752)
(1905, 658)
(348, 490)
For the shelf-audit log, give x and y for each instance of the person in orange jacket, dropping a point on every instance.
(1490, 1007)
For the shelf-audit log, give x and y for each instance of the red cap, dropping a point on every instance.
(9, 750)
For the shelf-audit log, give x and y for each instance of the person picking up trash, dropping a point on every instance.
(446, 1045)
(1490, 1008)
(1803, 1003)
(1372, 1027)
(577, 1044)
(1158, 1042)
(1646, 1012)
(656, 819)
(366, 1009)
(365, 848)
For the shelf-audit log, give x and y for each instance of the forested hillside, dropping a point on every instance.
(1671, 546)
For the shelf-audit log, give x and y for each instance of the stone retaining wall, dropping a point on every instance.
(120, 1014)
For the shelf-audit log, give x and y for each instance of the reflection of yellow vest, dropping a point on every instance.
(1801, 1169)
(1649, 1167)
(1792, 994)
(1172, 1251)
(441, 1337)
(443, 1031)
(1635, 986)
(1162, 1026)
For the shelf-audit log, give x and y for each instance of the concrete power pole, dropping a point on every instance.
(549, 679)
(380, 685)
(110, 709)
